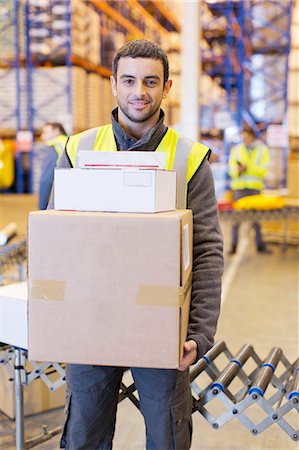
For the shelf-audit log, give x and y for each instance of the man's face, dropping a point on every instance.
(139, 88)
(248, 138)
(48, 133)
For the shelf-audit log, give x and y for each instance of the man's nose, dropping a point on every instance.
(139, 88)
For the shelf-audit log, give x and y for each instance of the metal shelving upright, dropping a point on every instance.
(12, 107)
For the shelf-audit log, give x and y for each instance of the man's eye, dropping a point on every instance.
(151, 82)
(128, 82)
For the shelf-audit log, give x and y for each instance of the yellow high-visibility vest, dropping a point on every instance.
(182, 155)
(257, 161)
(58, 143)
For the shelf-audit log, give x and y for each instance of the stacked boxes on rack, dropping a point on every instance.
(171, 43)
(141, 261)
(79, 29)
(90, 94)
(275, 174)
(94, 37)
(293, 76)
(50, 100)
(95, 103)
(109, 101)
(85, 32)
(9, 101)
(10, 17)
(50, 29)
(100, 100)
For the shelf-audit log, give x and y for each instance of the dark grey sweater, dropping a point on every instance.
(207, 236)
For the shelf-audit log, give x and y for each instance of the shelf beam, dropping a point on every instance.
(169, 15)
(125, 23)
(103, 71)
(150, 20)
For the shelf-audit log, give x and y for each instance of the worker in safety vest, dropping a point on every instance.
(54, 137)
(248, 166)
(140, 83)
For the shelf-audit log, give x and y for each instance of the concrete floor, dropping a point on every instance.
(260, 307)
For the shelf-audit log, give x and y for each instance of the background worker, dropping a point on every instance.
(248, 166)
(54, 136)
(140, 82)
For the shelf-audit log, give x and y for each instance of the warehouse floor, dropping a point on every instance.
(260, 307)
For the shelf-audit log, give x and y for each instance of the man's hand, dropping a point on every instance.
(190, 353)
(241, 168)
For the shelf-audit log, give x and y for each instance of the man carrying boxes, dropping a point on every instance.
(145, 262)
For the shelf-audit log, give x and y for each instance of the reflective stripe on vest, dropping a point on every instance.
(182, 155)
(58, 143)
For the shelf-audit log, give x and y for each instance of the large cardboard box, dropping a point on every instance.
(109, 289)
(115, 190)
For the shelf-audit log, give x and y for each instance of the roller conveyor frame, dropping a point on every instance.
(252, 215)
(285, 398)
(13, 254)
(276, 407)
(260, 214)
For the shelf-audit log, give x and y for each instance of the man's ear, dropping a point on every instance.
(167, 87)
(113, 85)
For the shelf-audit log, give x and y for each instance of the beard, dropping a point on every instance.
(138, 117)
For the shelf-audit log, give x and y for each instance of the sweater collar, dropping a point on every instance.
(148, 142)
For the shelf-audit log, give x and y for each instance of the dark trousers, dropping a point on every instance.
(92, 397)
(235, 228)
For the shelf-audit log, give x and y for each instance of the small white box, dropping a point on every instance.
(142, 160)
(13, 314)
(115, 190)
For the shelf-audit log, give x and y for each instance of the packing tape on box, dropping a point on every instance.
(153, 295)
(46, 290)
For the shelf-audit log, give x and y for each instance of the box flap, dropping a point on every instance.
(145, 160)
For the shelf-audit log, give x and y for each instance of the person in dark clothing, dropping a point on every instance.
(54, 137)
(139, 83)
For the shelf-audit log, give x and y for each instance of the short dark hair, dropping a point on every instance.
(247, 129)
(141, 48)
(58, 126)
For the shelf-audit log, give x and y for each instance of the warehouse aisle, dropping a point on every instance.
(260, 308)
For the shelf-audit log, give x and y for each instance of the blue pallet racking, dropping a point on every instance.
(256, 31)
(10, 63)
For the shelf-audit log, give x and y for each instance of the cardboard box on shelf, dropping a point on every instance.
(37, 397)
(111, 289)
(48, 83)
(94, 100)
(293, 179)
(108, 100)
(293, 119)
(115, 190)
